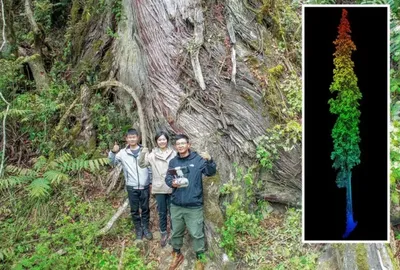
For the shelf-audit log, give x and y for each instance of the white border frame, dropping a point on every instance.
(388, 122)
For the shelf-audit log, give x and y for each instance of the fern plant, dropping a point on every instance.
(39, 179)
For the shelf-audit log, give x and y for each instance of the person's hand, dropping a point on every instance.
(205, 155)
(174, 184)
(115, 148)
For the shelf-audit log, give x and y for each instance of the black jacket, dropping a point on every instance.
(192, 195)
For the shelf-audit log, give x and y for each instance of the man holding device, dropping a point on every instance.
(184, 175)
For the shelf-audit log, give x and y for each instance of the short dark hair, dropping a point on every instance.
(132, 131)
(181, 136)
(161, 133)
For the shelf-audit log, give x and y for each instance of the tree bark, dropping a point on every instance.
(87, 130)
(150, 55)
(36, 58)
(356, 257)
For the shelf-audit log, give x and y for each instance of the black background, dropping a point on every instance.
(325, 204)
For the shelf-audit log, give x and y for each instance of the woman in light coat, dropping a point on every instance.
(158, 159)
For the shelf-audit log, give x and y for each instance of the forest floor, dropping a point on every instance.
(61, 234)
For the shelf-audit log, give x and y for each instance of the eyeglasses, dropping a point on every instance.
(182, 143)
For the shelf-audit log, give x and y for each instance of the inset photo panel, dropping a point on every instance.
(346, 123)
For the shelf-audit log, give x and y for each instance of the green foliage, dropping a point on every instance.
(117, 10)
(48, 107)
(111, 33)
(239, 219)
(111, 123)
(42, 13)
(68, 240)
(275, 242)
(395, 161)
(277, 138)
(293, 93)
(11, 78)
(47, 172)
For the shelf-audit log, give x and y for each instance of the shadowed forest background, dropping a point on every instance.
(225, 72)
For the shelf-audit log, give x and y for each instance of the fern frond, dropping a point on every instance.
(15, 113)
(63, 158)
(13, 181)
(103, 161)
(373, 2)
(20, 171)
(55, 177)
(6, 253)
(40, 162)
(76, 165)
(39, 188)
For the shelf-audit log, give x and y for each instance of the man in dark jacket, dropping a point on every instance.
(185, 177)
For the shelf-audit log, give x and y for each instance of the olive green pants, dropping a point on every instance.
(193, 219)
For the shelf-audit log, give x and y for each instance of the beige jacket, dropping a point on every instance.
(159, 165)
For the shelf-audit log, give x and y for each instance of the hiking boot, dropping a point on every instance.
(139, 234)
(147, 234)
(164, 238)
(177, 259)
(199, 265)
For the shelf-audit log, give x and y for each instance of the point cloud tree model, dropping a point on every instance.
(345, 133)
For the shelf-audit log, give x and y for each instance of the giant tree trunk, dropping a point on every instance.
(178, 55)
(192, 65)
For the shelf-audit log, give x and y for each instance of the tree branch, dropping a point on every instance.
(31, 19)
(117, 214)
(122, 256)
(197, 43)
(4, 26)
(4, 136)
(36, 63)
(66, 114)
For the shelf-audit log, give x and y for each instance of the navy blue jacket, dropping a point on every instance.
(192, 195)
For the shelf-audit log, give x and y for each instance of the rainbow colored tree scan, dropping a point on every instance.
(345, 133)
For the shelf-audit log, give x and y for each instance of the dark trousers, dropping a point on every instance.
(163, 208)
(139, 198)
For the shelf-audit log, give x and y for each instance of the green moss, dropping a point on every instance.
(264, 10)
(276, 71)
(395, 262)
(249, 99)
(75, 130)
(212, 211)
(97, 44)
(76, 6)
(253, 61)
(361, 255)
(105, 65)
(214, 180)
